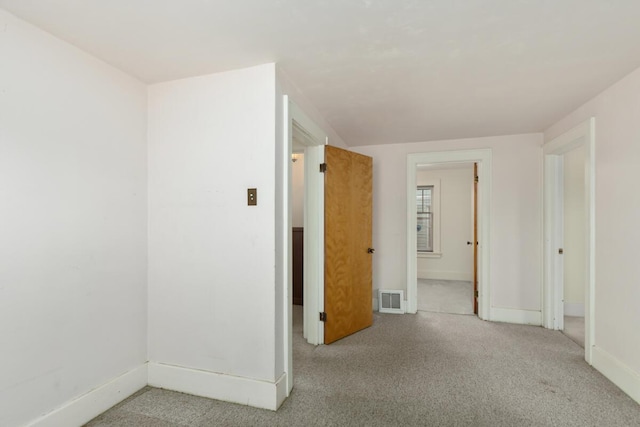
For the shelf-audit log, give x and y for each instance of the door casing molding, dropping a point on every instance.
(314, 140)
(553, 277)
(483, 158)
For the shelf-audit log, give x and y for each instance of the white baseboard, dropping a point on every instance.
(376, 307)
(574, 309)
(88, 406)
(617, 372)
(445, 275)
(281, 390)
(246, 391)
(511, 315)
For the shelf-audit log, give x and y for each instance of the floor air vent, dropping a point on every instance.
(391, 301)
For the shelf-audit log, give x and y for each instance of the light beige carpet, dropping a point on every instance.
(428, 369)
(445, 296)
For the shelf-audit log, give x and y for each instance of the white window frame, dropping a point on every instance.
(435, 208)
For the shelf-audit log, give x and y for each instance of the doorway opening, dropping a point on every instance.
(446, 237)
(444, 159)
(297, 217)
(329, 236)
(574, 250)
(569, 238)
(309, 144)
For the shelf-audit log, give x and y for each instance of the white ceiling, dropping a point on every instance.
(381, 71)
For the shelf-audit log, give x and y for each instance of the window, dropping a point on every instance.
(424, 203)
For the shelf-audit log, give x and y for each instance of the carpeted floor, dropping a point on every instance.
(428, 369)
(445, 296)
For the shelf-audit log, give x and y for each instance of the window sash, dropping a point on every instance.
(424, 198)
(425, 233)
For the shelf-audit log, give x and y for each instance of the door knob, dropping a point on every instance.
(370, 250)
(469, 243)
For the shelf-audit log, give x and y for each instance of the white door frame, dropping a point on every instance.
(483, 158)
(313, 293)
(553, 287)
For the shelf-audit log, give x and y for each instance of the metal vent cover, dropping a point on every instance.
(391, 301)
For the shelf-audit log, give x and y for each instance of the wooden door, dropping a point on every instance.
(475, 238)
(348, 227)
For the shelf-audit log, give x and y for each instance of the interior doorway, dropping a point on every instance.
(297, 216)
(310, 139)
(343, 295)
(482, 158)
(325, 252)
(560, 154)
(446, 237)
(574, 249)
(310, 145)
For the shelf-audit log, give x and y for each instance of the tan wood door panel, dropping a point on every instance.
(348, 229)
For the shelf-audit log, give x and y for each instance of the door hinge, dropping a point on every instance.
(323, 316)
(477, 293)
(476, 179)
(323, 167)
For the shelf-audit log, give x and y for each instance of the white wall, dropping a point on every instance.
(574, 232)
(617, 155)
(456, 225)
(515, 269)
(291, 90)
(297, 190)
(211, 257)
(73, 215)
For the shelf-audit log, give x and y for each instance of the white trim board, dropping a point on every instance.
(245, 391)
(313, 253)
(286, 236)
(88, 406)
(483, 158)
(313, 281)
(617, 372)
